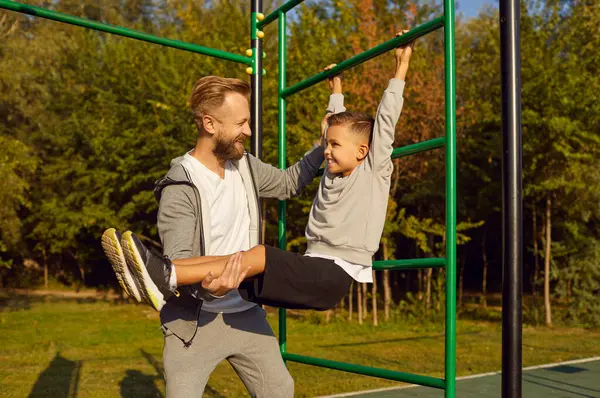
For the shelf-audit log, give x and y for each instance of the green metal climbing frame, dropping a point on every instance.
(448, 383)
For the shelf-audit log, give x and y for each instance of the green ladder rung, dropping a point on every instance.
(419, 147)
(413, 263)
(412, 34)
(412, 149)
(367, 371)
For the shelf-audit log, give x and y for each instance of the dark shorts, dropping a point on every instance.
(294, 281)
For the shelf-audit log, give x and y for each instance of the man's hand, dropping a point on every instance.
(402, 55)
(335, 82)
(230, 278)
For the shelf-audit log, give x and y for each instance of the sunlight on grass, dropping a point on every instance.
(97, 348)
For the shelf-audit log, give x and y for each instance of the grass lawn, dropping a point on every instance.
(97, 348)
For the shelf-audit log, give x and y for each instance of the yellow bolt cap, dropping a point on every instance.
(249, 52)
(260, 34)
(249, 70)
(260, 16)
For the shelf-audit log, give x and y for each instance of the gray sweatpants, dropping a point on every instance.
(245, 339)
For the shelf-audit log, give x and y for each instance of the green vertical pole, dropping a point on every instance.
(282, 148)
(450, 86)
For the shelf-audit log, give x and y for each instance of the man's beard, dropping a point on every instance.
(227, 149)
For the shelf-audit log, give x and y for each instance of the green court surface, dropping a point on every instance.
(572, 379)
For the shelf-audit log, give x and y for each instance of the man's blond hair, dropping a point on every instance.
(209, 94)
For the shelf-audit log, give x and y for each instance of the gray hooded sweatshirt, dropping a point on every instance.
(347, 216)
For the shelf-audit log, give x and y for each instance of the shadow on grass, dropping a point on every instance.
(59, 380)
(137, 384)
(17, 302)
(11, 301)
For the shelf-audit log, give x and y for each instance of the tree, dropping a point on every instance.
(16, 167)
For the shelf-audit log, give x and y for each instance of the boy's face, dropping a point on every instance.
(345, 150)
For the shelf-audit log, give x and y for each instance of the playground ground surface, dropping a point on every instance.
(85, 345)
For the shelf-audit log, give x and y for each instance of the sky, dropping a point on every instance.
(470, 8)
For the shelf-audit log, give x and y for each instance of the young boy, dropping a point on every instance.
(343, 231)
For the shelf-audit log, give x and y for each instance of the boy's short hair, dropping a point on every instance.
(358, 123)
(209, 93)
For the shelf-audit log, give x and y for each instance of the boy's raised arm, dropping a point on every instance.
(389, 110)
(336, 100)
(284, 184)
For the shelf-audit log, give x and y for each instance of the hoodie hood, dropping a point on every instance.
(177, 174)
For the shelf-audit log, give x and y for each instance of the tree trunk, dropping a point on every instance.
(547, 262)
(45, 268)
(365, 298)
(428, 302)
(359, 303)
(82, 273)
(387, 295)
(420, 285)
(460, 283)
(350, 298)
(438, 301)
(428, 291)
(485, 269)
(420, 278)
(387, 291)
(535, 253)
(80, 268)
(328, 315)
(374, 298)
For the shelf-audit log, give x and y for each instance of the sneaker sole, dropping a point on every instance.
(114, 253)
(134, 259)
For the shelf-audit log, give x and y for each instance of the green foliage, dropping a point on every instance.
(16, 167)
(90, 121)
(579, 284)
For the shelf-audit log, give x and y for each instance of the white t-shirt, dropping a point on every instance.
(229, 226)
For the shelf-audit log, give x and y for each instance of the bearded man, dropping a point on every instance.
(208, 205)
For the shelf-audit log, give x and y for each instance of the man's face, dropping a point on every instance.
(232, 127)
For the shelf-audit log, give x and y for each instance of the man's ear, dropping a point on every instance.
(208, 124)
(362, 151)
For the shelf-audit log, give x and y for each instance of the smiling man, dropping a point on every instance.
(209, 206)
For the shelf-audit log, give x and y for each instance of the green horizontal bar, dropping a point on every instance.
(120, 31)
(409, 264)
(419, 147)
(275, 14)
(368, 371)
(413, 34)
